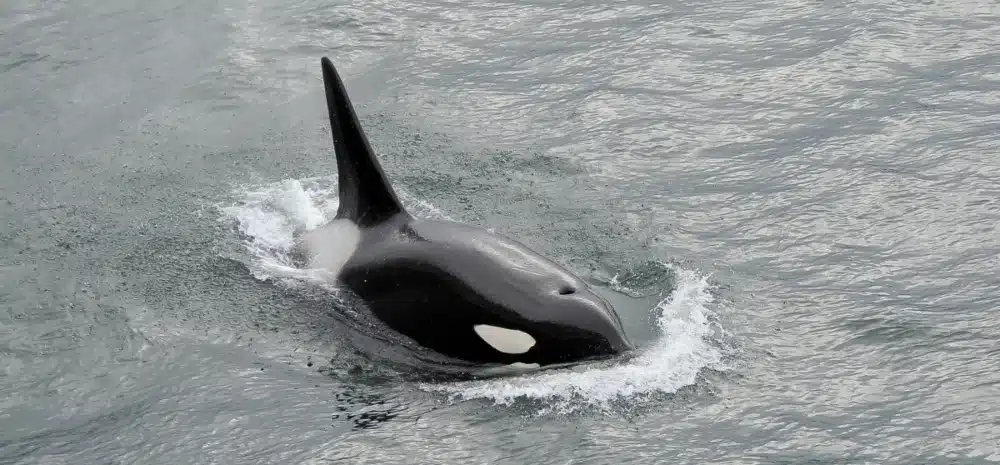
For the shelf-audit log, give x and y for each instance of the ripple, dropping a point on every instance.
(832, 166)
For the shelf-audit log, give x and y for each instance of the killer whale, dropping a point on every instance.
(453, 288)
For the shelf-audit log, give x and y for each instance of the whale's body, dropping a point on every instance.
(453, 288)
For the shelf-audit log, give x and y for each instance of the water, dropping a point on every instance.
(793, 205)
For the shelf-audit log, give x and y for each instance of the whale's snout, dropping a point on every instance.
(583, 325)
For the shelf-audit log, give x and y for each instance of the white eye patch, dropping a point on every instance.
(508, 341)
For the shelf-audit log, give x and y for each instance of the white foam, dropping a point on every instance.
(269, 217)
(669, 364)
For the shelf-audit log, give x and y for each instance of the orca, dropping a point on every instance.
(453, 288)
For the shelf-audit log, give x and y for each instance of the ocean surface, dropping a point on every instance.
(794, 206)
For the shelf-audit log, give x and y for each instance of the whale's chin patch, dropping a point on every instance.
(508, 341)
(330, 246)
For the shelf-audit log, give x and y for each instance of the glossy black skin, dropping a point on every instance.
(434, 280)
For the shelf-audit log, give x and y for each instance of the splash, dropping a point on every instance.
(268, 219)
(667, 365)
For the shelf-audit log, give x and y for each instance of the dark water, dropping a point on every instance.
(793, 204)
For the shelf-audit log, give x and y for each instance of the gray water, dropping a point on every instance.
(794, 206)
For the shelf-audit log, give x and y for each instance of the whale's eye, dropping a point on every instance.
(566, 290)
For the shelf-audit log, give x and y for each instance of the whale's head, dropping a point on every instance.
(553, 321)
(484, 297)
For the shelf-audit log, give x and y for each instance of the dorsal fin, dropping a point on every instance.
(366, 197)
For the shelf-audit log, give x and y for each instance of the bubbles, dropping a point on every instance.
(269, 218)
